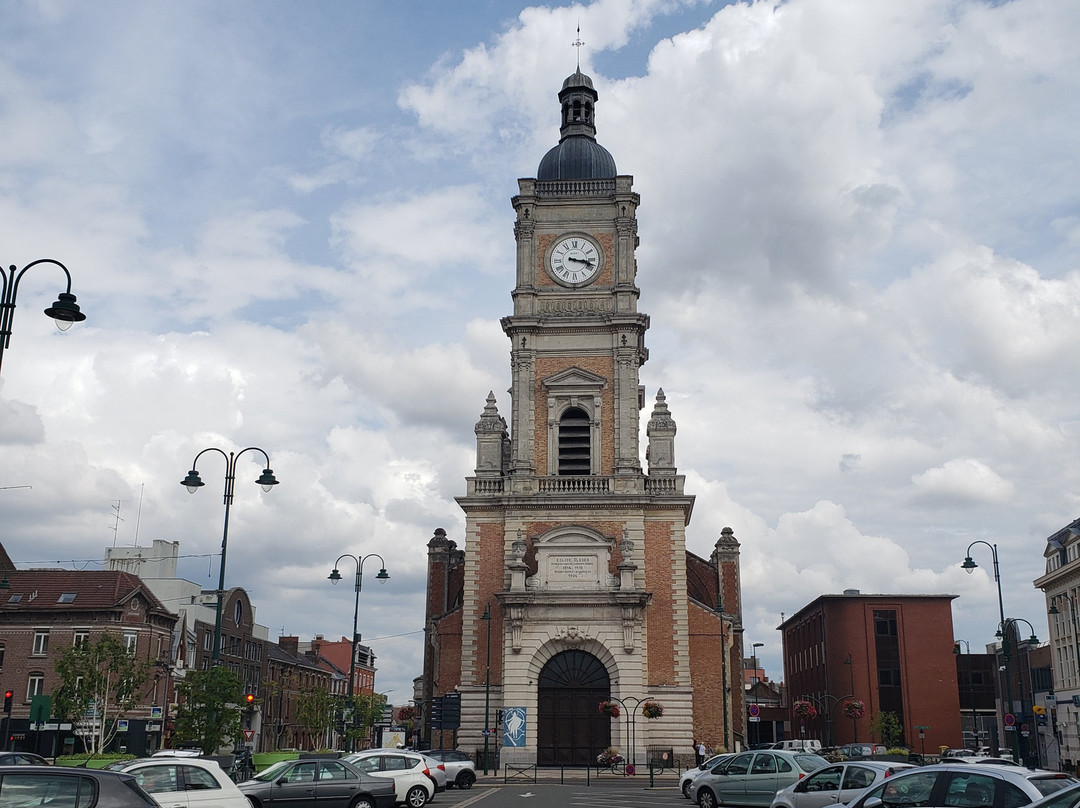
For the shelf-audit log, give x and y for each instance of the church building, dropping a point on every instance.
(572, 618)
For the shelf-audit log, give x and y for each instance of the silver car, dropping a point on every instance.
(687, 778)
(752, 778)
(836, 784)
(962, 786)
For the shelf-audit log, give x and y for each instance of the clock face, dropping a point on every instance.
(575, 260)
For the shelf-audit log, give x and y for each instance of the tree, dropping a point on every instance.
(369, 710)
(887, 727)
(210, 707)
(315, 713)
(98, 683)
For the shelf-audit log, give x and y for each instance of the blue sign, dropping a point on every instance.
(514, 726)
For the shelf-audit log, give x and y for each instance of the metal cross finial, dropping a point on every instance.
(577, 43)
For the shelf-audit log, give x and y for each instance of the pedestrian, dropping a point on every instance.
(700, 752)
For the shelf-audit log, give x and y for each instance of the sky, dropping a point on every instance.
(289, 227)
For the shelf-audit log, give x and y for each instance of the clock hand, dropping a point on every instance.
(581, 261)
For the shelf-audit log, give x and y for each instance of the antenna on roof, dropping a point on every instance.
(138, 518)
(577, 43)
(116, 520)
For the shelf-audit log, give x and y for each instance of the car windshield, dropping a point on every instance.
(1065, 798)
(274, 771)
(1052, 783)
(810, 763)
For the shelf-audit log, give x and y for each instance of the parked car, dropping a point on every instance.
(995, 761)
(752, 778)
(64, 786)
(409, 771)
(187, 781)
(1068, 797)
(687, 778)
(22, 759)
(317, 784)
(460, 768)
(801, 745)
(959, 784)
(836, 784)
(854, 751)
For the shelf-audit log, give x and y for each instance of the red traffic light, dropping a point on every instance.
(250, 697)
(7, 701)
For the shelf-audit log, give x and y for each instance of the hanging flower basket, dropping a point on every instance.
(406, 714)
(652, 709)
(610, 709)
(853, 708)
(805, 709)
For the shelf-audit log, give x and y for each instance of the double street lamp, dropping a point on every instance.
(969, 566)
(193, 483)
(334, 577)
(64, 311)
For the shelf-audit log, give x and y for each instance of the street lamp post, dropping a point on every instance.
(65, 310)
(193, 483)
(854, 720)
(754, 684)
(334, 577)
(971, 693)
(486, 617)
(1007, 632)
(969, 566)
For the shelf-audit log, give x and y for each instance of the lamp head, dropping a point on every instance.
(487, 612)
(1053, 609)
(334, 576)
(192, 482)
(969, 565)
(65, 311)
(267, 480)
(383, 576)
(5, 584)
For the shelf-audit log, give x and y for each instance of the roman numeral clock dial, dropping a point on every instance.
(575, 260)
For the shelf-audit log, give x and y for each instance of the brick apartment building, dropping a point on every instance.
(43, 611)
(894, 653)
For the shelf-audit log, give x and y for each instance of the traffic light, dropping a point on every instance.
(7, 701)
(249, 700)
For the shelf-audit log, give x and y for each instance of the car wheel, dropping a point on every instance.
(465, 779)
(416, 797)
(706, 799)
(686, 789)
(363, 802)
(254, 803)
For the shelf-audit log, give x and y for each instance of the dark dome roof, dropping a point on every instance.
(577, 158)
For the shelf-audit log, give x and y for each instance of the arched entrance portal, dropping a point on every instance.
(570, 729)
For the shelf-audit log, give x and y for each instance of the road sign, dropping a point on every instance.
(754, 710)
(249, 734)
(1010, 720)
(755, 718)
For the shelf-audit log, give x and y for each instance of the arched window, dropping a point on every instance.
(575, 442)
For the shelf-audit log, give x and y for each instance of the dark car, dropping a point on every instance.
(22, 759)
(322, 783)
(65, 787)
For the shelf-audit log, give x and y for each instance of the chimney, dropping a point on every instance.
(290, 645)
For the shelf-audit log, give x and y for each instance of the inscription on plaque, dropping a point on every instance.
(572, 568)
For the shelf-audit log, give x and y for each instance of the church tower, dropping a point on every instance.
(575, 565)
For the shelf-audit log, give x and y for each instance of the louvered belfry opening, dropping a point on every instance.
(575, 443)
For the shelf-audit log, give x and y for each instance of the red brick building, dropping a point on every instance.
(894, 653)
(43, 611)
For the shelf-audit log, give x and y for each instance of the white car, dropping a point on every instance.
(686, 779)
(835, 784)
(185, 781)
(414, 783)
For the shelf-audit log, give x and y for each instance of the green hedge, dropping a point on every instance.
(264, 760)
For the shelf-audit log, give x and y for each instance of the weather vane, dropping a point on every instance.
(577, 43)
